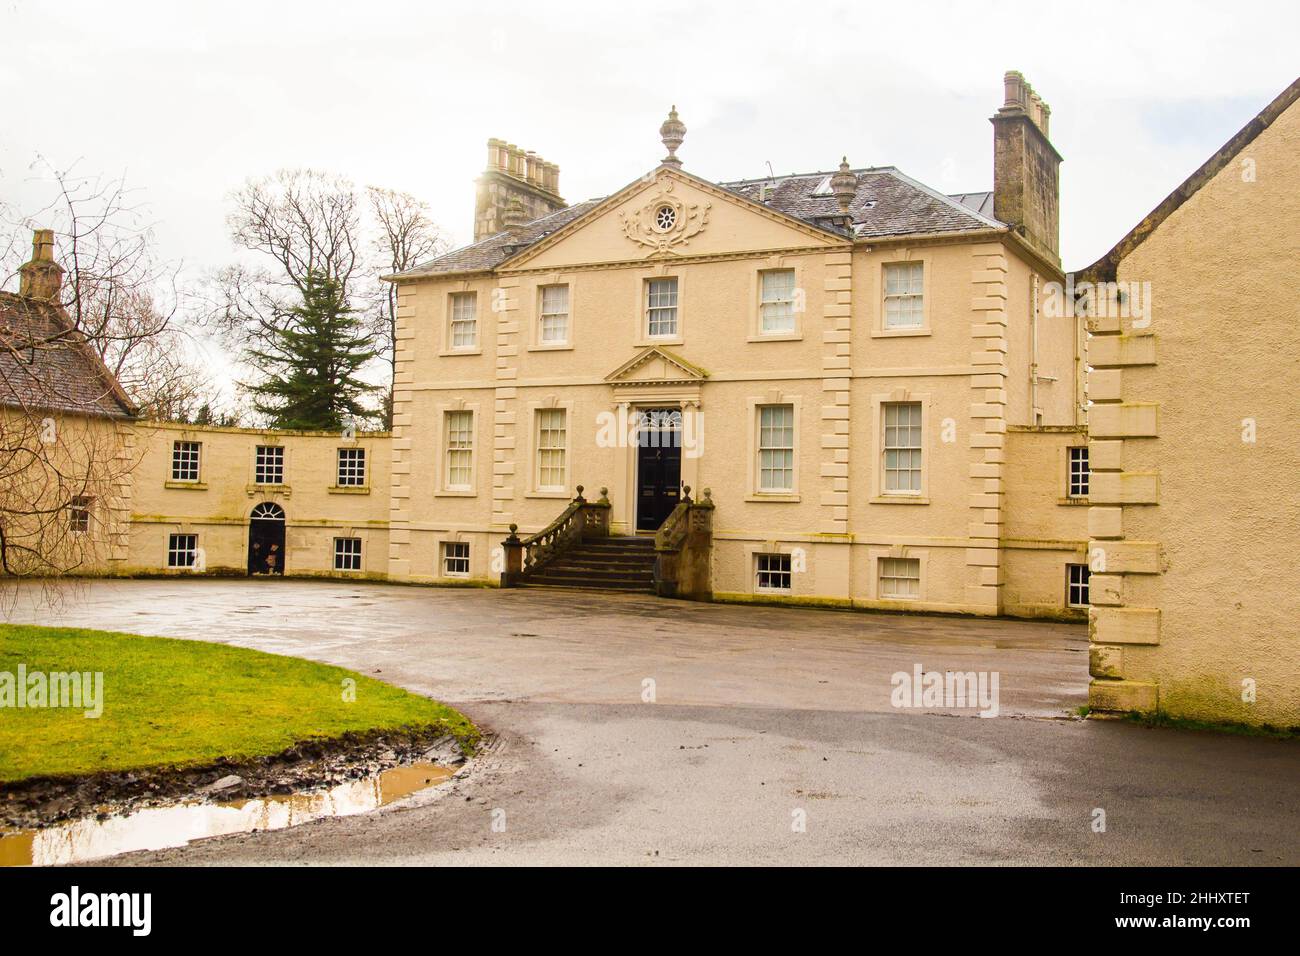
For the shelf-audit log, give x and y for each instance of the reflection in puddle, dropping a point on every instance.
(156, 828)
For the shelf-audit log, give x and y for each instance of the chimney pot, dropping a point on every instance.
(1013, 84)
(514, 176)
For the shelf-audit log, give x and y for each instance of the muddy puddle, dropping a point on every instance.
(158, 828)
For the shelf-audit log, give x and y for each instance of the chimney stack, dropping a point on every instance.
(514, 176)
(42, 278)
(1026, 167)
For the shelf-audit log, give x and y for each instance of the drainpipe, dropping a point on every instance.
(1033, 355)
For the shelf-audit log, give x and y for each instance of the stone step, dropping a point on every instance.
(592, 584)
(615, 545)
(601, 558)
(595, 574)
(570, 567)
(594, 587)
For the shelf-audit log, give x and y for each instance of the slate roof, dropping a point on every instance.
(45, 365)
(887, 203)
(487, 253)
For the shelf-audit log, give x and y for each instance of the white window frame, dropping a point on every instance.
(461, 553)
(915, 452)
(773, 303)
(182, 550)
(767, 450)
(350, 467)
(1078, 472)
(187, 456)
(457, 316)
(543, 454)
(80, 513)
(1077, 583)
(891, 572)
(545, 313)
(908, 279)
(268, 461)
(458, 449)
(656, 307)
(773, 567)
(347, 553)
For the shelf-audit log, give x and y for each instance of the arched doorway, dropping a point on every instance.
(266, 539)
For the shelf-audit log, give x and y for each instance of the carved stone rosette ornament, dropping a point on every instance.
(665, 222)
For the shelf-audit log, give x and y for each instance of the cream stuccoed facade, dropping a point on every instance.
(220, 500)
(858, 369)
(1195, 447)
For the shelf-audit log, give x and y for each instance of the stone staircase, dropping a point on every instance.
(622, 563)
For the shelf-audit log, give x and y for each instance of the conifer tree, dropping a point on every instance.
(310, 363)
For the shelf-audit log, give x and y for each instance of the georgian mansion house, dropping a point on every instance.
(841, 388)
(853, 369)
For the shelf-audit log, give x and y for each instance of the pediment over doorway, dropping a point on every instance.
(656, 366)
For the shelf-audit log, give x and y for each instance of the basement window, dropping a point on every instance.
(1076, 586)
(772, 572)
(455, 559)
(900, 578)
(182, 549)
(347, 554)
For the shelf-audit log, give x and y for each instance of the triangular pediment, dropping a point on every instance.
(656, 366)
(666, 215)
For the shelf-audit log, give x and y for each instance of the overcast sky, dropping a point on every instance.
(188, 99)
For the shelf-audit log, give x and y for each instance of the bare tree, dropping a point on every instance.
(117, 295)
(307, 225)
(81, 320)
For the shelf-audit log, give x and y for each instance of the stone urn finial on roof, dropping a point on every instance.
(672, 132)
(844, 184)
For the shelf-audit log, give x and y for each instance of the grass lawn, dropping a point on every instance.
(185, 703)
